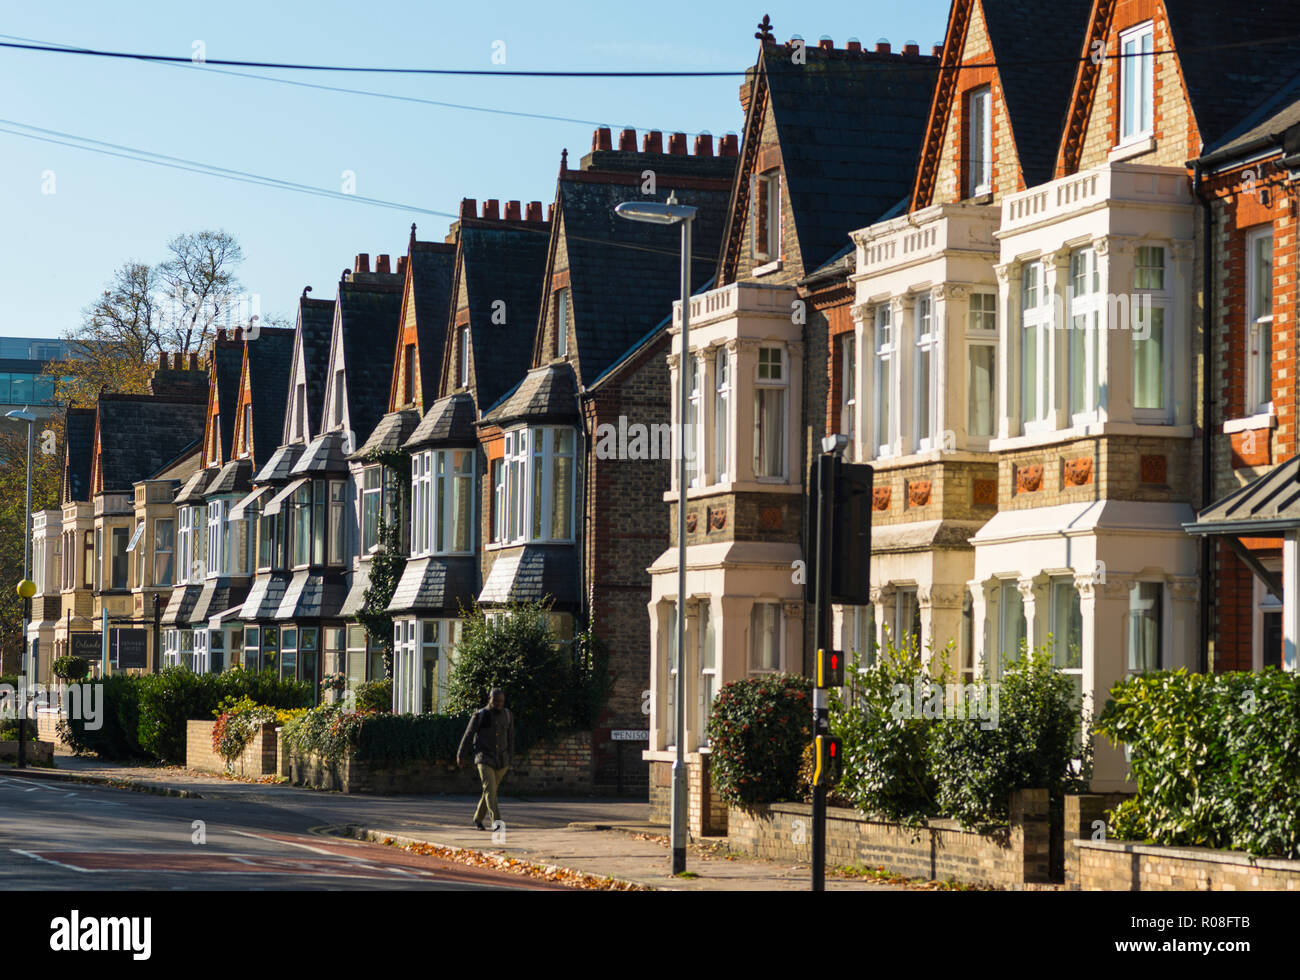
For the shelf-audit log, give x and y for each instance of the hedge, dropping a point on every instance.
(117, 736)
(1216, 759)
(758, 729)
(399, 738)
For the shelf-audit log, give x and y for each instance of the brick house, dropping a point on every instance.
(923, 331)
(831, 140)
(479, 340)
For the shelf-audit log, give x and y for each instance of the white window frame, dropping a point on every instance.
(1038, 319)
(925, 375)
(979, 104)
(159, 550)
(367, 492)
(694, 421)
(1264, 604)
(562, 322)
(464, 357)
(525, 450)
(1057, 629)
(849, 389)
(1136, 71)
(982, 334)
(768, 385)
(1162, 636)
(441, 520)
(752, 658)
(1085, 306)
(421, 488)
(1259, 327)
(499, 516)
(1147, 299)
(710, 673)
(768, 250)
(185, 544)
(885, 348)
(1001, 656)
(722, 415)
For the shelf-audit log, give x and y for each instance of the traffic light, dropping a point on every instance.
(829, 750)
(830, 668)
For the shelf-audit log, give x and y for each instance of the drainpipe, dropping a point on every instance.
(1207, 417)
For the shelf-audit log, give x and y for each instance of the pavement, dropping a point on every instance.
(596, 837)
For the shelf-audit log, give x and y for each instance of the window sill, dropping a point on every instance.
(1264, 420)
(1053, 436)
(767, 268)
(760, 485)
(1133, 148)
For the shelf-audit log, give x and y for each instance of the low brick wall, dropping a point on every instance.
(942, 850)
(259, 758)
(1085, 818)
(561, 768)
(36, 753)
(1128, 866)
(706, 811)
(47, 726)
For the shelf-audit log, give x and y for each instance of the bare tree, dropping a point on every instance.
(202, 288)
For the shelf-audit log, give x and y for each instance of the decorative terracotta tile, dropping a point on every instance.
(880, 498)
(984, 493)
(1029, 479)
(918, 492)
(1155, 469)
(1078, 472)
(771, 518)
(717, 518)
(692, 521)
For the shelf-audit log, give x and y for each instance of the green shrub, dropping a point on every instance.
(401, 738)
(758, 729)
(118, 735)
(1216, 759)
(329, 731)
(71, 668)
(375, 695)
(1030, 739)
(886, 750)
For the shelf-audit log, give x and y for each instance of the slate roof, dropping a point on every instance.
(228, 357)
(436, 585)
(548, 392)
(324, 454)
(316, 326)
(217, 596)
(235, 477)
(392, 431)
(1224, 83)
(618, 293)
(851, 127)
(270, 362)
(502, 261)
(264, 597)
(79, 450)
(431, 266)
(533, 573)
(1271, 128)
(180, 605)
(138, 434)
(370, 315)
(193, 490)
(449, 422)
(1268, 503)
(313, 595)
(280, 465)
(1037, 45)
(356, 597)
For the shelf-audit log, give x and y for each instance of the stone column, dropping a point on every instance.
(882, 599)
(902, 342)
(1056, 270)
(979, 593)
(941, 608)
(1008, 367)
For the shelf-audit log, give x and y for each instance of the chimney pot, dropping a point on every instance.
(221, 334)
(853, 44)
(937, 50)
(730, 146)
(512, 210)
(468, 207)
(677, 144)
(550, 211)
(381, 263)
(627, 141)
(177, 363)
(534, 211)
(162, 361)
(826, 44)
(911, 49)
(600, 139)
(882, 47)
(652, 142)
(194, 362)
(362, 263)
(492, 209)
(704, 145)
(401, 265)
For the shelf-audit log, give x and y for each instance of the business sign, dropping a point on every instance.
(88, 646)
(630, 734)
(128, 648)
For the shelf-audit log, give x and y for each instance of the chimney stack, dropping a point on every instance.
(162, 361)
(492, 209)
(550, 211)
(704, 145)
(468, 207)
(854, 45)
(677, 144)
(194, 362)
(362, 263)
(652, 142)
(730, 146)
(826, 44)
(534, 211)
(882, 47)
(512, 210)
(401, 265)
(381, 263)
(937, 50)
(627, 141)
(911, 48)
(600, 139)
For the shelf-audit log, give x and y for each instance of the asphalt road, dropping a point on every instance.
(72, 836)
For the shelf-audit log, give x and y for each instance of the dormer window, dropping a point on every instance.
(338, 397)
(562, 323)
(767, 216)
(980, 159)
(1259, 321)
(408, 374)
(300, 411)
(246, 435)
(1137, 75)
(464, 357)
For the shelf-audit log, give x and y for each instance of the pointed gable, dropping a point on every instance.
(225, 358)
(78, 454)
(834, 142)
(309, 362)
(263, 389)
(138, 435)
(363, 343)
(426, 298)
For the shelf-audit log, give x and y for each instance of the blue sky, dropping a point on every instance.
(60, 248)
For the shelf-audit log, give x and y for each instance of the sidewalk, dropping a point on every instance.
(599, 836)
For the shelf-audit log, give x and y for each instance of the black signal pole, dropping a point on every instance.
(827, 463)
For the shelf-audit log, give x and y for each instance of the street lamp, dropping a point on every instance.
(652, 212)
(22, 415)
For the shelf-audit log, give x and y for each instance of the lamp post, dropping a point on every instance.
(24, 588)
(673, 213)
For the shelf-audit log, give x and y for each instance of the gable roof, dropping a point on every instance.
(506, 261)
(314, 329)
(78, 454)
(429, 270)
(849, 125)
(227, 359)
(1272, 124)
(270, 362)
(368, 314)
(137, 435)
(547, 392)
(624, 275)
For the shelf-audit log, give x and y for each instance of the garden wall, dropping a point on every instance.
(34, 753)
(563, 767)
(942, 850)
(1103, 865)
(259, 758)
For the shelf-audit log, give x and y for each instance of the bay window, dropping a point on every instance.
(1035, 344)
(722, 416)
(442, 483)
(1145, 627)
(883, 361)
(769, 414)
(134, 546)
(765, 637)
(670, 694)
(338, 522)
(371, 503)
(118, 577)
(848, 388)
(498, 500)
(421, 484)
(707, 656)
(88, 560)
(1259, 321)
(218, 538)
(694, 417)
(536, 482)
(925, 385)
(981, 365)
(1067, 631)
(185, 544)
(1137, 70)
(1150, 350)
(1086, 303)
(300, 525)
(1011, 626)
(318, 528)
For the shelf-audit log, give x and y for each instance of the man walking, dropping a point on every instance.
(491, 737)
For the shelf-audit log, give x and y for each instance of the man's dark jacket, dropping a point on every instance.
(491, 733)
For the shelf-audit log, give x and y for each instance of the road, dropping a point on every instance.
(59, 835)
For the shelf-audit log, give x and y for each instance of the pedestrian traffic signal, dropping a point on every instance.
(830, 668)
(829, 750)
